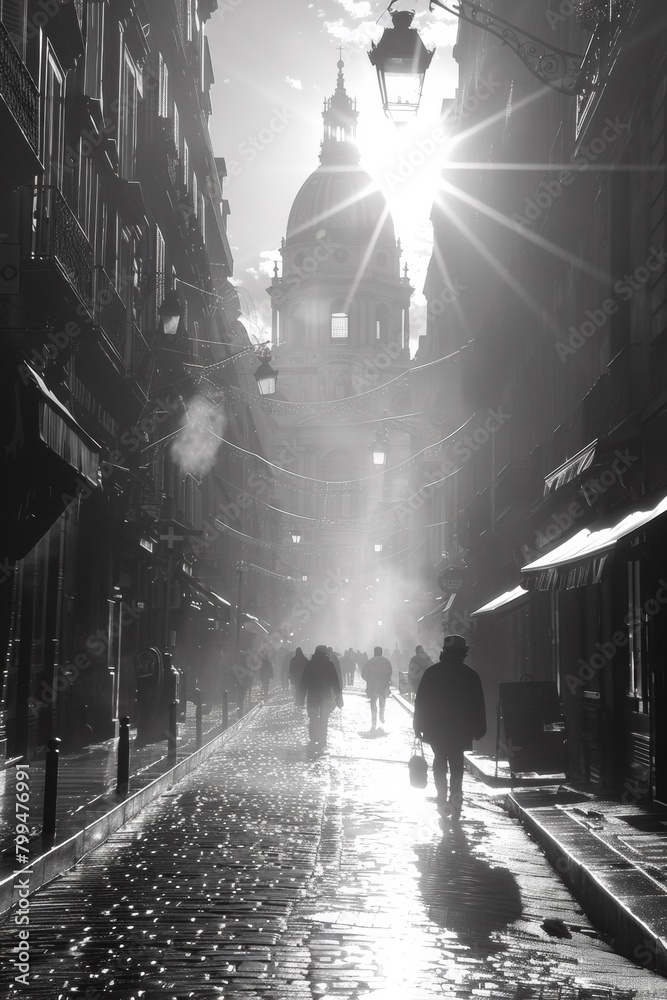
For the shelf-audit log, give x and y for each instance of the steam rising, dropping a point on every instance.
(197, 445)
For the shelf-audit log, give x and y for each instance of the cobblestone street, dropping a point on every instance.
(269, 873)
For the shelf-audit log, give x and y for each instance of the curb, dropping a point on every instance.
(61, 857)
(627, 933)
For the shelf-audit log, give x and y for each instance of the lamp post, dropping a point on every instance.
(265, 375)
(401, 60)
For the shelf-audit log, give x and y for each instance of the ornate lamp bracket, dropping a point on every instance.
(557, 68)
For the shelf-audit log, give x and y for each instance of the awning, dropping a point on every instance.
(253, 625)
(61, 432)
(207, 594)
(581, 559)
(569, 470)
(500, 602)
(46, 458)
(441, 608)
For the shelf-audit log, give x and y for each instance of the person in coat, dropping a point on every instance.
(417, 667)
(377, 674)
(450, 714)
(296, 668)
(321, 689)
(244, 677)
(265, 674)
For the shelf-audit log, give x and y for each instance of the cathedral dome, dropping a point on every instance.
(339, 197)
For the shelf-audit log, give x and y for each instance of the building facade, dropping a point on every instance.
(340, 330)
(551, 220)
(114, 300)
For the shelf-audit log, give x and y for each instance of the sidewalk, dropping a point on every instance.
(612, 856)
(88, 808)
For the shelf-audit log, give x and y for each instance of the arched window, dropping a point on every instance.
(297, 325)
(383, 323)
(339, 320)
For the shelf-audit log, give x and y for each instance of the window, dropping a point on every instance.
(339, 325)
(177, 129)
(339, 320)
(13, 15)
(127, 117)
(93, 70)
(163, 88)
(383, 322)
(186, 165)
(52, 129)
(160, 271)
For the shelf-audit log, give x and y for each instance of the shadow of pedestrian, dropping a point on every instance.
(465, 894)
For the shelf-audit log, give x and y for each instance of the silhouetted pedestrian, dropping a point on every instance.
(377, 674)
(336, 662)
(418, 666)
(321, 689)
(449, 714)
(296, 668)
(244, 678)
(265, 673)
(347, 666)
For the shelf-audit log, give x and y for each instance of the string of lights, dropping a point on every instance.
(337, 482)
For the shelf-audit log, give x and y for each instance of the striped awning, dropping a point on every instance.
(501, 602)
(569, 470)
(581, 560)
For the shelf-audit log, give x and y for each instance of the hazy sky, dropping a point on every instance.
(274, 63)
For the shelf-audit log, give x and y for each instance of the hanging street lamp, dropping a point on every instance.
(401, 60)
(296, 537)
(380, 448)
(378, 547)
(171, 314)
(266, 376)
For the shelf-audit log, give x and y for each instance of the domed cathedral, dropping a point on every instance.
(340, 330)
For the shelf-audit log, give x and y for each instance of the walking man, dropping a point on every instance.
(377, 674)
(321, 689)
(418, 666)
(296, 669)
(450, 714)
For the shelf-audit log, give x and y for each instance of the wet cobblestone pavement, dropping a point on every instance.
(270, 873)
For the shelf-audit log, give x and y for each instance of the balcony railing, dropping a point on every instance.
(18, 91)
(58, 235)
(110, 312)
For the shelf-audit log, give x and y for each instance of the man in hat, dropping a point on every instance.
(449, 714)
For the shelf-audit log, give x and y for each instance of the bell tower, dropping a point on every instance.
(340, 332)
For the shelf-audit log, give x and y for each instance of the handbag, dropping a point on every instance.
(417, 766)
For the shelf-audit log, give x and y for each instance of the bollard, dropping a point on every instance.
(198, 718)
(123, 771)
(225, 709)
(51, 787)
(172, 734)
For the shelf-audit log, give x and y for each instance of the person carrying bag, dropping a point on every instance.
(417, 765)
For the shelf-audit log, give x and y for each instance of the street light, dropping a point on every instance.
(401, 60)
(378, 547)
(171, 314)
(380, 448)
(296, 537)
(266, 376)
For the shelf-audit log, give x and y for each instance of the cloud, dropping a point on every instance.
(359, 37)
(294, 83)
(356, 8)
